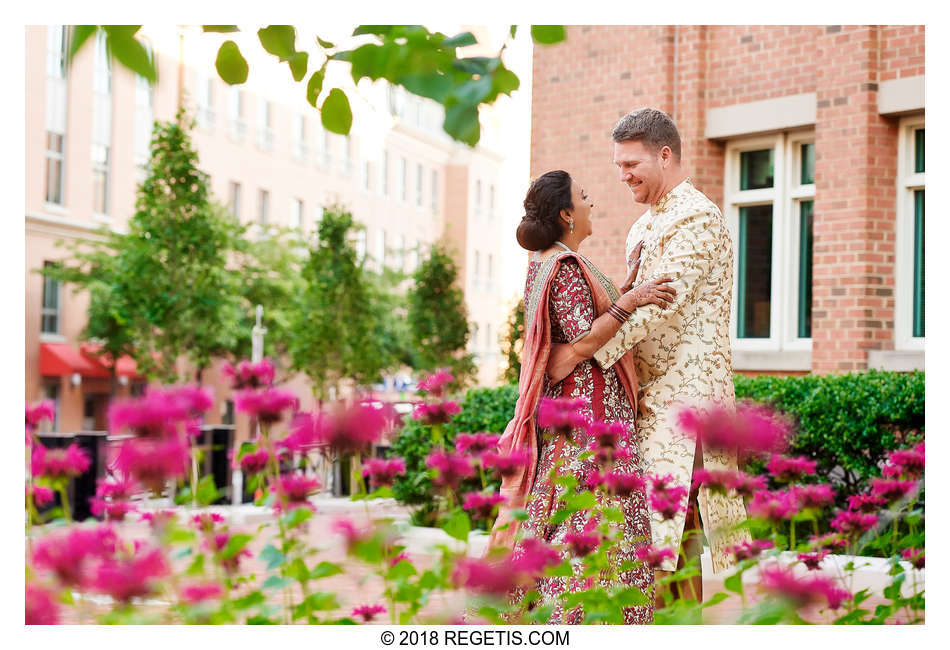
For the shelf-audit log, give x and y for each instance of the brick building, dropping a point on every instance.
(810, 139)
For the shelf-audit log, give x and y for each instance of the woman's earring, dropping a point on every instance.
(572, 225)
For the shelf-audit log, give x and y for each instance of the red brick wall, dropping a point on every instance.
(581, 87)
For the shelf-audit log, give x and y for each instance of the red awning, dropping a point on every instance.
(57, 359)
(125, 367)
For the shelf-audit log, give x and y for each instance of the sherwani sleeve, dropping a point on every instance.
(689, 252)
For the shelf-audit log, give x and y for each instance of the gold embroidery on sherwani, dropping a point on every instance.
(683, 354)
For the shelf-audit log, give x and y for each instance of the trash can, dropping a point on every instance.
(82, 488)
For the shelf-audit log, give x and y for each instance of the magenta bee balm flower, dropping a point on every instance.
(853, 523)
(476, 443)
(506, 464)
(296, 488)
(814, 559)
(783, 468)
(59, 463)
(44, 411)
(267, 404)
(582, 544)
(152, 461)
(482, 505)
(368, 612)
(439, 413)
(434, 384)
(747, 428)
(813, 496)
(562, 415)
(201, 591)
(249, 375)
(125, 578)
(892, 490)
(654, 556)
(383, 471)
(915, 556)
(42, 495)
(623, 485)
(533, 556)
(451, 468)
(750, 549)
(42, 607)
(69, 554)
(773, 507)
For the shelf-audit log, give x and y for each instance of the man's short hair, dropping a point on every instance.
(652, 127)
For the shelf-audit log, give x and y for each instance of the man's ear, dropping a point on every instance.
(666, 156)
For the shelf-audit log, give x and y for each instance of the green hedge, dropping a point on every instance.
(483, 410)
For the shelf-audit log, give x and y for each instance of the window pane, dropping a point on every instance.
(919, 151)
(805, 239)
(50, 309)
(54, 168)
(757, 169)
(808, 163)
(755, 272)
(919, 262)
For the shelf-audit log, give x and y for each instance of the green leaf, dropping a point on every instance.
(79, 34)
(253, 598)
(335, 114)
(258, 619)
(375, 30)
(630, 597)
(298, 65)
(520, 514)
(734, 582)
(505, 81)
(432, 85)
(461, 122)
(296, 516)
(315, 86)
(564, 570)
(130, 52)
(180, 536)
(316, 602)
(197, 566)
(460, 40)
(560, 516)
(325, 44)
(297, 569)
(230, 64)
(548, 34)
(402, 569)
(276, 582)
(220, 29)
(325, 570)
(715, 600)
(581, 501)
(614, 514)
(279, 40)
(235, 545)
(208, 492)
(458, 525)
(513, 30)
(272, 557)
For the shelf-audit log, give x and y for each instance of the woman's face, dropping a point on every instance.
(583, 226)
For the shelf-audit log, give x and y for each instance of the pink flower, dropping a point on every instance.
(665, 506)
(783, 468)
(750, 549)
(909, 462)
(254, 462)
(774, 507)
(68, 553)
(562, 415)
(393, 561)
(45, 410)
(59, 463)
(116, 487)
(496, 577)
(747, 485)
(915, 556)
(594, 480)
(653, 556)
(41, 606)
(476, 443)
(482, 505)
(341, 428)
(506, 464)
(451, 468)
(206, 521)
(153, 461)
(249, 375)
(159, 519)
(892, 490)
(267, 404)
(607, 435)
(217, 543)
(125, 578)
(814, 559)
(434, 384)
(533, 556)
(662, 483)
(368, 612)
(853, 523)
(200, 592)
(195, 400)
(622, 484)
(295, 488)
(383, 471)
(156, 414)
(813, 496)
(42, 496)
(830, 541)
(666, 497)
(111, 510)
(351, 532)
(582, 544)
(748, 428)
(439, 413)
(866, 503)
(801, 592)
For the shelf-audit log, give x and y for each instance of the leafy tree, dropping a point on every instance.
(512, 342)
(162, 290)
(438, 322)
(424, 63)
(334, 327)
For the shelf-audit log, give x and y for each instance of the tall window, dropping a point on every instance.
(491, 200)
(367, 175)
(205, 95)
(361, 236)
(489, 343)
(49, 318)
(770, 193)
(300, 149)
(144, 116)
(265, 124)
(419, 185)
(51, 392)
(234, 199)
(384, 175)
(346, 160)
(488, 272)
(435, 192)
(56, 102)
(263, 207)
(321, 146)
(476, 270)
(909, 304)
(296, 213)
(403, 180)
(478, 197)
(102, 127)
(236, 126)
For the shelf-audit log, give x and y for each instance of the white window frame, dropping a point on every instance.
(234, 199)
(265, 121)
(907, 182)
(296, 213)
(300, 149)
(56, 312)
(321, 150)
(419, 192)
(205, 93)
(237, 128)
(366, 181)
(384, 174)
(346, 157)
(795, 193)
(52, 158)
(263, 207)
(435, 191)
(478, 197)
(403, 179)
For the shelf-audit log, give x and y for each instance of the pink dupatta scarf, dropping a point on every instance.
(521, 432)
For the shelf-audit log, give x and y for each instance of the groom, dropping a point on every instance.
(681, 352)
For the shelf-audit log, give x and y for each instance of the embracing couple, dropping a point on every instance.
(631, 356)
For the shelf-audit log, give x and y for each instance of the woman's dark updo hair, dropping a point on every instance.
(541, 225)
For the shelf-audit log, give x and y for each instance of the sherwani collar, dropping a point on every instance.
(664, 201)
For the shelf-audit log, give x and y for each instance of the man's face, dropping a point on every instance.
(641, 170)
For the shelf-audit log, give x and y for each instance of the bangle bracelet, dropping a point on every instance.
(620, 310)
(616, 312)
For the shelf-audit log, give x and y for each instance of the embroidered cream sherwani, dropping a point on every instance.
(682, 353)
